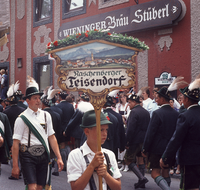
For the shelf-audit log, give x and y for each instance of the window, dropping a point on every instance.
(43, 71)
(44, 78)
(72, 8)
(109, 3)
(43, 8)
(42, 13)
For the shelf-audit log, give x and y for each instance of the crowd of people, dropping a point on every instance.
(159, 134)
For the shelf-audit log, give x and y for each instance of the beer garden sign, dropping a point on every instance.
(142, 16)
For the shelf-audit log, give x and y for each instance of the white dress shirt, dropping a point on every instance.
(76, 165)
(21, 130)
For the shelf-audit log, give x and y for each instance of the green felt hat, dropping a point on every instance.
(164, 93)
(89, 119)
(193, 94)
(32, 91)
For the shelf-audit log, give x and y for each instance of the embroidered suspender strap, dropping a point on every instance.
(39, 137)
(91, 181)
(29, 138)
(45, 119)
(6, 145)
(108, 166)
(108, 163)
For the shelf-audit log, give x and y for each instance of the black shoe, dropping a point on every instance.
(142, 186)
(141, 183)
(13, 178)
(55, 173)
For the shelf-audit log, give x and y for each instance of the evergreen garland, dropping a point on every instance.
(97, 35)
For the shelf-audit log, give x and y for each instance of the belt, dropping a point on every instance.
(35, 150)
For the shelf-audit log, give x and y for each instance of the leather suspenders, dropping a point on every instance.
(91, 181)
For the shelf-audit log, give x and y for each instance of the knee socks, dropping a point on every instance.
(142, 169)
(168, 180)
(135, 170)
(161, 182)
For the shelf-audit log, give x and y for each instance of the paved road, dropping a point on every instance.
(60, 183)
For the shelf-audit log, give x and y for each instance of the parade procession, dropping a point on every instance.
(99, 94)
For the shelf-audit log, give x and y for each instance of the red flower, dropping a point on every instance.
(95, 30)
(77, 35)
(87, 31)
(109, 33)
(108, 118)
(86, 35)
(49, 45)
(55, 43)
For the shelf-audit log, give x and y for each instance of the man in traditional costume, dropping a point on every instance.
(5, 139)
(14, 110)
(33, 132)
(67, 113)
(137, 124)
(56, 120)
(186, 139)
(161, 128)
(120, 136)
(86, 164)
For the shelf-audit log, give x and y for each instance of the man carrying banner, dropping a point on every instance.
(85, 164)
(32, 132)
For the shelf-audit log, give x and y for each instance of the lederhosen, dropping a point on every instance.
(91, 181)
(37, 150)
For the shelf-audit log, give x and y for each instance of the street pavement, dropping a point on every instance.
(60, 182)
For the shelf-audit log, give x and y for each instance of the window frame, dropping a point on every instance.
(42, 21)
(109, 3)
(72, 13)
(42, 61)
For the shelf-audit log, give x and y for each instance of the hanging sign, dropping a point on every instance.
(96, 66)
(142, 16)
(164, 79)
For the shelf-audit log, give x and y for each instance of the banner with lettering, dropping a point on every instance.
(95, 65)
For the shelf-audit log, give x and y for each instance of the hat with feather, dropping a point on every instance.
(19, 93)
(110, 96)
(193, 90)
(62, 94)
(32, 89)
(176, 84)
(51, 94)
(44, 97)
(135, 97)
(13, 92)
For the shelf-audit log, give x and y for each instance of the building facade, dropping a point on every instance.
(173, 41)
